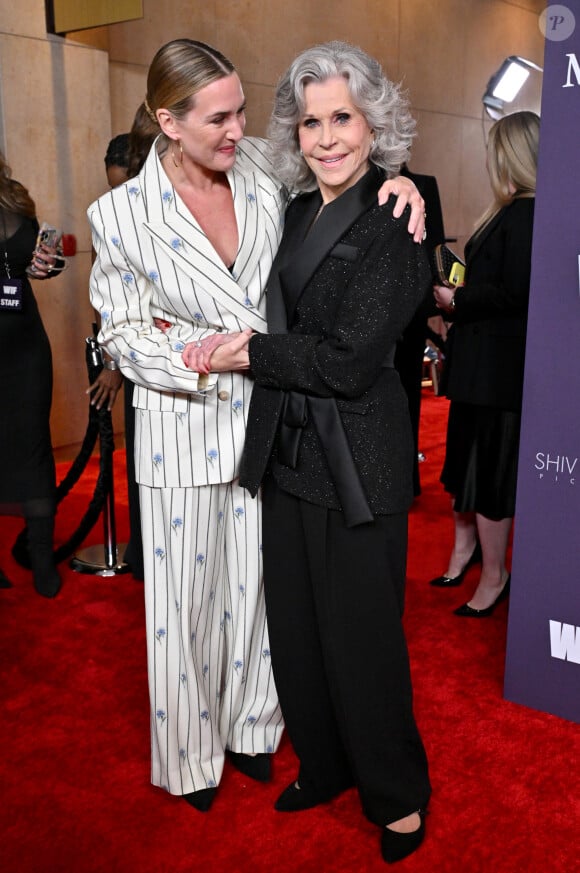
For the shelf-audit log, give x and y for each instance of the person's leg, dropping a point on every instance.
(360, 596)
(464, 543)
(41, 552)
(183, 559)
(250, 720)
(134, 551)
(494, 538)
(297, 656)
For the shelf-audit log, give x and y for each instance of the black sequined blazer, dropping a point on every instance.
(328, 414)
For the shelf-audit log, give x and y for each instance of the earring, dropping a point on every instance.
(177, 163)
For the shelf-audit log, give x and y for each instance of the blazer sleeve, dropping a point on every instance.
(377, 303)
(498, 280)
(122, 295)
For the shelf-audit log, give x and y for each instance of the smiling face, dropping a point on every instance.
(209, 132)
(334, 136)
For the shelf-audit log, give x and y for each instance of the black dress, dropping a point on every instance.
(27, 480)
(485, 365)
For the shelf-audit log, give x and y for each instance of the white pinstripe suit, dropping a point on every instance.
(210, 679)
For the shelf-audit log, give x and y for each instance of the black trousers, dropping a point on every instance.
(334, 599)
(134, 551)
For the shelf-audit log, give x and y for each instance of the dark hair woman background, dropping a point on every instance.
(27, 483)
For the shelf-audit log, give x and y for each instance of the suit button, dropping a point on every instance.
(223, 395)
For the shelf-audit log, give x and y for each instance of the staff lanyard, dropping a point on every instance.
(6, 264)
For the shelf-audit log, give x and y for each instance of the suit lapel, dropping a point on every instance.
(179, 235)
(337, 217)
(298, 218)
(475, 243)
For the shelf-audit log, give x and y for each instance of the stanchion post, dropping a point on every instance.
(102, 560)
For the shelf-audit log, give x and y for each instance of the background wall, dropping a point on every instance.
(63, 99)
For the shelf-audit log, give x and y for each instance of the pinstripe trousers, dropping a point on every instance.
(210, 678)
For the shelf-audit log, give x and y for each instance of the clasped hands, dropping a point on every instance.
(218, 353)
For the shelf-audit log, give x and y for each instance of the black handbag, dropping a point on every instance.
(449, 268)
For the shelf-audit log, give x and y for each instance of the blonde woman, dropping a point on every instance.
(486, 366)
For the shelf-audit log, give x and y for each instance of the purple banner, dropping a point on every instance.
(543, 646)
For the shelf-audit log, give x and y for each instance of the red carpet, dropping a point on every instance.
(74, 728)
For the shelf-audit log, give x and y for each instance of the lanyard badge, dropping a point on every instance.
(11, 295)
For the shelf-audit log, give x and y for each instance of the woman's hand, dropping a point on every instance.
(407, 194)
(43, 261)
(105, 388)
(443, 296)
(219, 353)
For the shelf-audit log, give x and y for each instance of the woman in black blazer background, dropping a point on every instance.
(485, 365)
(329, 437)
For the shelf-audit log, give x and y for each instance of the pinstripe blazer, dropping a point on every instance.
(154, 261)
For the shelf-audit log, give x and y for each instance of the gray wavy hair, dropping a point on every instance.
(383, 104)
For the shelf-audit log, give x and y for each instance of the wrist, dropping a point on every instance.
(110, 365)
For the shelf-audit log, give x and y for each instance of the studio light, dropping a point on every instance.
(505, 84)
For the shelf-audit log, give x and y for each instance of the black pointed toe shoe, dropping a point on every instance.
(201, 800)
(453, 581)
(297, 797)
(4, 581)
(468, 611)
(395, 845)
(258, 767)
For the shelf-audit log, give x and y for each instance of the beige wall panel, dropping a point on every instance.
(97, 37)
(433, 53)
(52, 148)
(26, 18)
(536, 6)
(262, 41)
(437, 152)
(475, 188)
(135, 42)
(494, 30)
(56, 115)
(128, 87)
(260, 99)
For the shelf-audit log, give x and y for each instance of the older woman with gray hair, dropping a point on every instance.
(329, 439)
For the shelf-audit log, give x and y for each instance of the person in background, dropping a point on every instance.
(27, 483)
(485, 366)
(117, 160)
(144, 131)
(188, 245)
(329, 440)
(106, 386)
(411, 346)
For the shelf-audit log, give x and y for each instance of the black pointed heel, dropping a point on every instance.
(201, 800)
(468, 611)
(395, 846)
(258, 767)
(305, 796)
(452, 581)
(4, 581)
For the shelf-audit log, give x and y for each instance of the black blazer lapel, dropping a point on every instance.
(300, 215)
(305, 254)
(474, 244)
